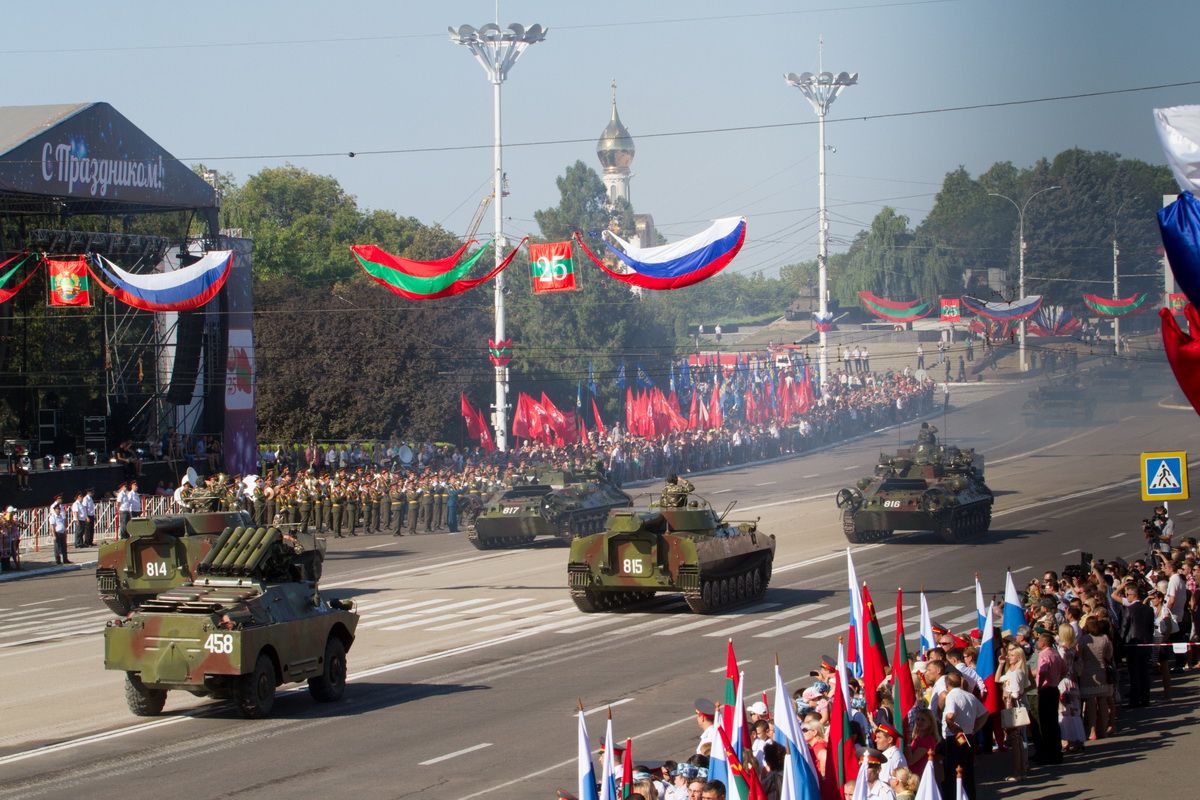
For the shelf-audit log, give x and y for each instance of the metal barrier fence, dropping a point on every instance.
(37, 534)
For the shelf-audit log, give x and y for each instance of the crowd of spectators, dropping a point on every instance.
(1098, 639)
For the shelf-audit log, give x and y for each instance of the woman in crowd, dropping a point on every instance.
(924, 740)
(1164, 627)
(1097, 670)
(1015, 681)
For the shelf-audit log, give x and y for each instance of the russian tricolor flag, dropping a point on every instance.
(985, 664)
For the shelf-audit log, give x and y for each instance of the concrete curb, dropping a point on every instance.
(16, 575)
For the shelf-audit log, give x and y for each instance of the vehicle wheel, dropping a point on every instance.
(741, 588)
(949, 530)
(756, 583)
(853, 535)
(710, 595)
(256, 691)
(143, 701)
(330, 686)
(117, 604)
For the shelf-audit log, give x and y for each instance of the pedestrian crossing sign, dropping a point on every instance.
(1164, 476)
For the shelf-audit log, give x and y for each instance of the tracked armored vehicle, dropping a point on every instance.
(252, 619)
(555, 503)
(1060, 403)
(688, 549)
(160, 553)
(930, 487)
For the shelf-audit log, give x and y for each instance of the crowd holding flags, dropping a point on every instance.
(802, 779)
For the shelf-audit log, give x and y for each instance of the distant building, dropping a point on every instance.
(616, 150)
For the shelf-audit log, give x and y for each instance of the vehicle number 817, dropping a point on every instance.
(633, 566)
(219, 643)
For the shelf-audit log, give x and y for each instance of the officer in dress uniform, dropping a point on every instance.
(439, 503)
(377, 505)
(426, 504)
(350, 510)
(399, 507)
(305, 503)
(414, 507)
(385, 507)
(337, 502)
(369, 507)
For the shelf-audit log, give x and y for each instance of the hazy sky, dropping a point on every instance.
(243, 85)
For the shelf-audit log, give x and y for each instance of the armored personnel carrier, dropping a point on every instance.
(548, 503)
(931, 487)
(687, 548)
(1060, 403)
(160, 553)
(251, 620)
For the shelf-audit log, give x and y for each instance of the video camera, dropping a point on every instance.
(1080, 570)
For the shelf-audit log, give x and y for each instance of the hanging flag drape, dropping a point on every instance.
(1108, 307)
(682, 263)
(1183, 352)
(1179, 225)
(1001, 311)
(69, 282)
(7, 294)
(951, 310)
(551, 267)
(1179, 131)
(1053, 321)
(894, 311)
(181, 289)
(410, 280)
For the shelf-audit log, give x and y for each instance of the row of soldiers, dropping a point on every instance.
(349, 504)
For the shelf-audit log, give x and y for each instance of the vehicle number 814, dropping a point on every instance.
(156, 569)
(219, 643)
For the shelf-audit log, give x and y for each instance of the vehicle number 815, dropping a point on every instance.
(219, 643)
(891, 503)
(633, 566)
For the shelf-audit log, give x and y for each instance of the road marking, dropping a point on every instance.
(476, 620)
(360, 579)
(1116, 536)
(963, 618)
(449, 756)
(1068, 552)
(964, 589)
(613, 704)
(767, 483)
(806, 477)
(1184, 512)
(822, 496)
(754, 609)
(41, 602)
(422, 619)
(722, 491)
(722, 669)
(1036, 450)
(380, 610)
(791, 612)
(852, 466)
(828, 557)
(74, 621)
(377, 546)
(1022, 569)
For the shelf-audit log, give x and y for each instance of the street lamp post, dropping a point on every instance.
(1021, 257)
(821, 89)
(497, 50)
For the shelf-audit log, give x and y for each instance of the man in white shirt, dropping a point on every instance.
(706, 714)
(122, 511)
(79, 520)
(58, 523)
(971, 680)
(1176, 602)
(877, 786)
(963, 716)
(89, 507)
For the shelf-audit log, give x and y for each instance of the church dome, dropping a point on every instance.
(615, 148)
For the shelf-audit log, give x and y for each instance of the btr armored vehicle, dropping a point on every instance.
(547, 503)
(1060, 403)
(684, 548)
(252, 619)
(931, 487)
(160, 553)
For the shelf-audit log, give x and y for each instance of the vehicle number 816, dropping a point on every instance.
(633, 566)
(219, 643)
(891, 503)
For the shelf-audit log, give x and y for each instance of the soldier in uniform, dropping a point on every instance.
(426, 503)
(370, 505)
(377, 504)
(399, 503)
(337, 498)
(414, 508)
(350, 510)
(439, 503)
(385, 507)
(675, 493)
(304, 501)
(452, 506)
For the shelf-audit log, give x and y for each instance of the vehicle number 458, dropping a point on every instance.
(219, 643)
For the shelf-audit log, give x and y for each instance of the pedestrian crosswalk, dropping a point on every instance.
(47, 621)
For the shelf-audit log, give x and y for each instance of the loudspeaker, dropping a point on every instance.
(189, 338)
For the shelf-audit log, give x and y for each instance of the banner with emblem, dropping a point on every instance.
(69, 282)
(551, 267)
(951, 309)
(1176, 301)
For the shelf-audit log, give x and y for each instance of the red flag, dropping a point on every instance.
(751, 407)
(693, 419)
(69, 282)
(485, 434)
(627, 769)
(583, 431)
(539, 421)
(841, 765)
(470, 416)
(599, 422)
(904, 697)
(557, 419)
(715, 419)
(521, 423)
(874, 656)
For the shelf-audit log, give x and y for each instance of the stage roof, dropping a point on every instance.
(86, 158)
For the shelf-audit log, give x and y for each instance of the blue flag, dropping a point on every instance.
(643, 380)
(621, 376)
(592, 380)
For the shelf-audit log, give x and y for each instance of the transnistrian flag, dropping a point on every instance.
(874, 653)
(951, 309)
(551, 267)
(69, 282)
(854, 656)
(903, 694)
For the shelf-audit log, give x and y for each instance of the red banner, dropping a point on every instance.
(951, 309)
(69, 282)
(1176, 301)
(551, 268)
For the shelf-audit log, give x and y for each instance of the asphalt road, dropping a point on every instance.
(468, 665)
